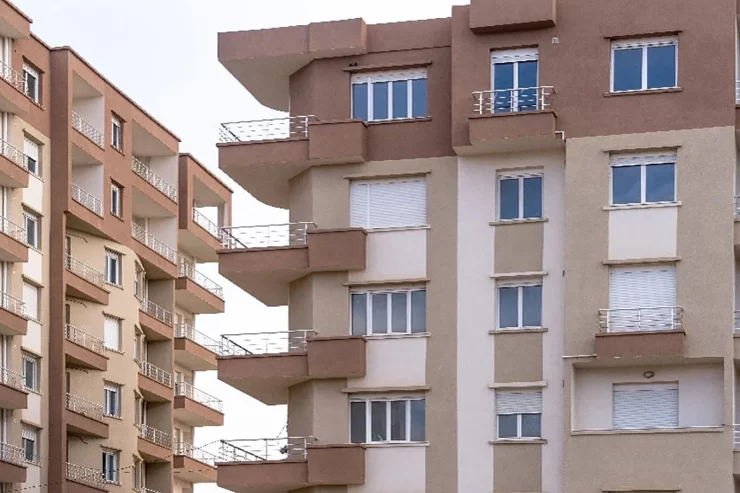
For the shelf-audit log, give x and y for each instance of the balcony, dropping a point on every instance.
(265, 365)
(263, 155)
(13, 321)
(85, 283)
(487, 16)
(12, 469)
(12, 393)
(88, 130)
(154, 445)
(13, 98)
(13, 245)
(264, 260)
(197, 408)
(195, 350)
(13, 166)
(84, 350)
(155, 383)
(194, 465)
(512, 120)
(156, 322)
(197, 293)
(87, 200)
(84, 479)
(641, 332)
(164, 262)
(84, 418)
(143, 171)
(200, 236)
(283, 464)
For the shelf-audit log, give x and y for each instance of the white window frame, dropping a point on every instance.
(366, 223)
(112, 256)
(119, 323)
(391, 77)
(34, 169)
(30, 433)
(387, 400)
(116, 133)
(137, 476)
(389, 315)
(520, 303)
(520, 177)
(518, 427)
(515, 56)
(112, 388)
(34, 220)
(643, 161)
(35, 362)
(116, 200)
(29, 71)
(30, 313)
(644, 44)
(112, 467)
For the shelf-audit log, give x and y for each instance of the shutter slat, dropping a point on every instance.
(358, 205)
(31, 149)
(645, 287)
(31, 299)
(508, 402)
(388, 204)
(645, 406)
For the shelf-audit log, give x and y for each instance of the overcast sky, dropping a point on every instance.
(162, 53)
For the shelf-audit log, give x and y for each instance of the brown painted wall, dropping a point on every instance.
(517, 467)
(518, 248)
(518, 357)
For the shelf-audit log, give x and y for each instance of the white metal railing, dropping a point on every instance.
(86, 129)
(81, 338)
(263, 449)
(156, 311)
(189, 271)
(13, 77)
(641, 319)
(201, 220)
(156, 436)
(196, 453)
(264, 236)
(13, 154)
(153, 178)
(87, 408)
(11, 453)
(147, 490)
(512, 100)
(188, 332)
(12, 304)
(155, 373)
(266, 342)
(152, 242)
(11, 379)
(87, 200)
(270, 129)
(84, 271)
(9, 228)
(85, 475)
(186, 389)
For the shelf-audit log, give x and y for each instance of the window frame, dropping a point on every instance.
(111, 255)
(116, 200)
(116, 139)
(643, 161)
(35, 362)
(31, 71)
(371, 206)
(114, 389)
(519, 419)
(119, 324)
(33, 437)
(644, 44)
(520, 177)
(36, 168)
(389, 77)
(35, 219)
(389, 311)
(388, 413)
(111, 474)
(520, 303)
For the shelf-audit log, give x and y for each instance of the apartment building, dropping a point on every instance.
(510, 264)
(104, 224)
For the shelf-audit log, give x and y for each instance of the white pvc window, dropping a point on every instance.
(116, 200)
(642, 298)
(31, 365)
(116, 133)
(388, 203)
(387, 420)
(32, 81)
(30, 443)
(645, 406)
(112, 399)
(31, 300)
(520, 196)
(519, 305)
(514, 80)
(643, 64)
(113, 268)
(389, 312)
(518, 414)
(111, 461)
(112, 333)
(389, 95)
(643, 179)
(31, 150)
(32, 229)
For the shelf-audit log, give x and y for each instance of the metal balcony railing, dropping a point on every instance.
(81, 338)
(152, 242)
(13, 154)
(187, 390)
(9, 228)
(271, 129)
(189, 271)
(13, 305)
(11, 379)
(266, 236)
(201, 220)
(87, 200)
(155, 373)
(263, 449)
(156, 436)
(294, 341)
(641, 319)
(11, 453)
(13, 77)
(196, 453)
(84, 271)
(153, 178)
(512, 100)
(89, 131)
(188, 331)
(85, 475)
(84, 407)
(156, 311)
(146, 490)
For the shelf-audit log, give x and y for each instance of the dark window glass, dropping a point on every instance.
(359, 101)
(660, 183)
(398, 420)
(531, 427)
(357, 422)
(359, 314)
(503, 78)
(419, 98)
(380, 101)
(378, 422)
(419, 311)
(533, 197)
(532, 306)
(527, 96)
(626, 185)
(380, 313)
(418, 421)
(628, 69)
(398, 312)
(400, 99)
(661, 67)
(508, 311)
(29, 447)
(509, 198)
(507, 426)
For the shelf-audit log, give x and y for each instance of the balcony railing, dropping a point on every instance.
(11, 453)
(153, 178)
(156, 311)
(263, 449)
(84, 271)
(84, 407)
(294, 341)
(11, 379)
(187, 390)
(156, 436)
(152, 242)
(266, 236)
(147, 490)
(188, 332)
(9, 228)
(155, 373)
(196, 453)
(13, 77)
(87, 200)
(85, 475)
(86, 129)
(189, 271)
(13, 305)
(641, 319)
(512, 100)
(271, 129)
(13, 154)
(81, 338)
(201, 220)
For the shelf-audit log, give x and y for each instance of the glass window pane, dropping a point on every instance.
(419, 98)
(527, 97)
(359, 314)
(660, 183)
(359, 101)
(418, 421)
(380, 313)
(357, 422)
(533, 197)
(532, 306)
(507, 426)
(531, 425)
(380, 101)
(399, 312)
(509, 198)
(626, 185)
(628, 69)
(398, 420)
(508, 307)
(661, 67)
(377, 422)
(419, 311)
(503, 78)
(400, 99)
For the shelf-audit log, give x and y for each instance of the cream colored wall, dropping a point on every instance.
(90, 179)
(92, 110)
(643, 233)
(393, 362)
(393, 470)
(394, 255)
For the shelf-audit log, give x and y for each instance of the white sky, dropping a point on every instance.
(162, 53)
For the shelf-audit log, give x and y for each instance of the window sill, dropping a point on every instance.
(657, 205)
(33, 391)
(120, 218)
(520, 330)
(399, 228)
(643, 92)
(650, 431)
(119, 286)
(119, 418)
(518, 441)
(399, 120)
(395, 444)
(518, 275)
(111, 350)
(506, 222)
(413, 335)
(518, 385)
(119, 151)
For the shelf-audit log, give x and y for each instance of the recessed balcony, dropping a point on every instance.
(155, 383)
(12, 393)
(85, 418)
(84, 350)
(153, 180)
(13, 166)
(85, 282)
(87, 137)
(13, 320)
(193, 464)
(12, 469)
(265, 365)
(154, 445)
(86, 209)
(197, 408)
(155, 254)
(641, 332)
(82, 479)
(156, 321)
(194, 349)
(13, 242)
(200, 236)
(196, 292)
(264, 260)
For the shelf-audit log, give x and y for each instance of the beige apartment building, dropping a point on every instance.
(510, 265)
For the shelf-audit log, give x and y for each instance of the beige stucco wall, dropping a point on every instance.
(390, 469)
(394, 362)
(394, 255)
(642, 233)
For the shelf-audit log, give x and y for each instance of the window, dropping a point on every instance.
(643, 179)
(31, 300)
(642, 298)
(138, 409)
(31, 373)
(518, 414)
(387, 420)
(31, 150)
(389, 312)
(137, 476)
(116, 133)
(32, 229)
(388, 203)
(139, 281)
(520, 196)
(514, 81)
(520, 306)
(112, 333)
(116, 200)
(641, 406)
(110, 465)
(32, 82)
(112, 399)
(30, 443)
(639, 65)
(389, 95)
(113, 267)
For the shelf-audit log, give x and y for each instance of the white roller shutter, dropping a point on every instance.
(510, 402)
(31, 299)
(388, 203)
(112, 333)
(359, 204)
(642, 298)
(640, 406)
